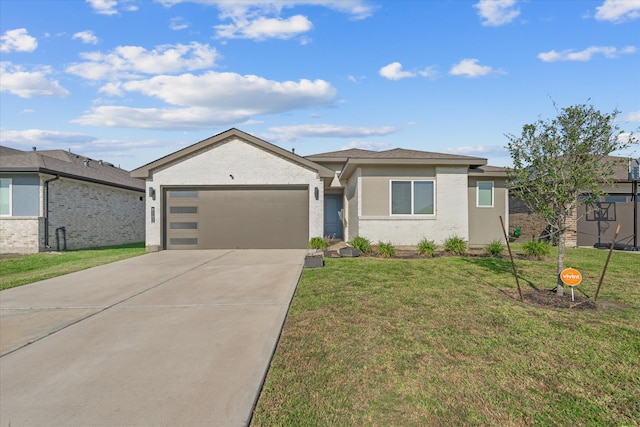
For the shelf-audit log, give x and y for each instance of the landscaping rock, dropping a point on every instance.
(313, 261)
(348, 251)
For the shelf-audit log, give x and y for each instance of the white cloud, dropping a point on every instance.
(262, 19)
(263, 28)
(27, 84)
(87, 37)
(42, 139)
(292, 133)
(497, 12)
(394, 71)
(470, 68)
(585, 55)
(17, 40)
(104, 7)
(178, 23)
(429, 72)
(366, 145)
(476, 150)
(357, 9)
(633, 116)
(209, 99)
(132, 61)
(618, 10)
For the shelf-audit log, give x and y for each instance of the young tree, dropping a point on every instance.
(556, 161)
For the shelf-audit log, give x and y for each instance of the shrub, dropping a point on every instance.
(495, 248)
(455, 245)
(426, 247)
(318, 243)
(386, 250)
(363, 244)
(536, 249)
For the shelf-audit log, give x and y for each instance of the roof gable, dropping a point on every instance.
(146, 170)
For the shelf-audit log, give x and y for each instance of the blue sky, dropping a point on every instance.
(129, 81)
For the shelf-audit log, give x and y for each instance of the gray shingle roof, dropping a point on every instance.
(395, 153)
(63, 163)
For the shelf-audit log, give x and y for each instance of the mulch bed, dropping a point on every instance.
(547, 298)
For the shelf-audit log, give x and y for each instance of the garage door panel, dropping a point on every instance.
(248, 218)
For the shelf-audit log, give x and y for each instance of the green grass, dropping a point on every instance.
(443, 341)
(32, 268)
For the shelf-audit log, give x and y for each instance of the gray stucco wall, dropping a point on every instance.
(484, 222)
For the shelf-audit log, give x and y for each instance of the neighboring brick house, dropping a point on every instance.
(97, 203)
(589, 224)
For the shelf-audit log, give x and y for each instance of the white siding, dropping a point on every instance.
(247, 164)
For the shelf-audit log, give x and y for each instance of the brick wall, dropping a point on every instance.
(94, 215)
(533, 227)
(21, 235)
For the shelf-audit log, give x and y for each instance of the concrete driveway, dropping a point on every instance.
(180, 338)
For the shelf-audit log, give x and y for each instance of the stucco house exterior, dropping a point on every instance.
(53, 195)
(234, 190)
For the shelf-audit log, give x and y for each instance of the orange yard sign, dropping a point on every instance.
(571, 276)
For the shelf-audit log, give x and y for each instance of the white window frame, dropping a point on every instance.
(412, 214)
(493, 194)
(10, 196)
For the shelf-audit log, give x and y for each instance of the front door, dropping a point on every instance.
(333, 216)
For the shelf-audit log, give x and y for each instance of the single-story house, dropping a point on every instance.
(597, 223)
(234, 190)
(590, 223)
(51, 197)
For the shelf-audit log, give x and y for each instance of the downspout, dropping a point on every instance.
(46, 210)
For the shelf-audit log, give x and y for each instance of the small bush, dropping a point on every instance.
(455, 245)
(536, 249)
(427, 247)
(386, 250)
(362, 244)
(495, 248)
(318, 243)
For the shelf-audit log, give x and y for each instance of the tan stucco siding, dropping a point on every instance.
(376, 185)
(484, 222)
(618, 188)
(376, 223)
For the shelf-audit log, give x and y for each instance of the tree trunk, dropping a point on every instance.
(561, 246)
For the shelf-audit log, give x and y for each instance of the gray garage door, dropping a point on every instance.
(237, 217)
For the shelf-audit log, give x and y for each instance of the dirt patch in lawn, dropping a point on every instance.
(8, 256)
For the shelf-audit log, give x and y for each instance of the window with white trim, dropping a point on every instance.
(5, 197)
(484, 194)
(412, 197)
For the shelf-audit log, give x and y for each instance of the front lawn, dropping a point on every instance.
(45, 265)
(444, 341)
